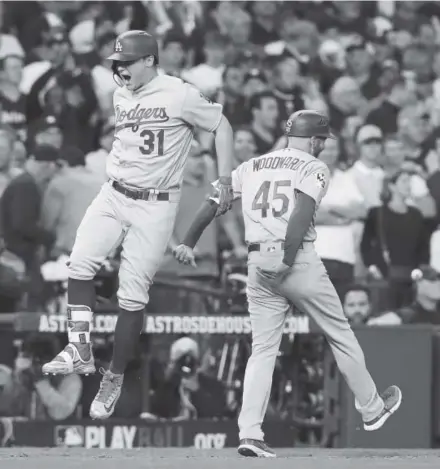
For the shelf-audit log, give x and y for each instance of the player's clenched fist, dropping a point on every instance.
(225, 194)
(185, 255)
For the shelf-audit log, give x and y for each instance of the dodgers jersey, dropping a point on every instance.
(266, 186)
(154, 129)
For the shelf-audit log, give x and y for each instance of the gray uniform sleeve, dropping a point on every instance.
(199, 111)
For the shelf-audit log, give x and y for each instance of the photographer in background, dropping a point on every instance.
(185, 392)
(35, 396)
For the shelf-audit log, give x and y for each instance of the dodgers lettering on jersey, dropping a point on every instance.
(266, 186)
(154, 130)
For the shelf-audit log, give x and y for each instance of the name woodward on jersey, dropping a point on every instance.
(137, 116)
(277, 162)
(156, 324)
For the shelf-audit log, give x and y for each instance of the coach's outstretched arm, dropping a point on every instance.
(224, 146)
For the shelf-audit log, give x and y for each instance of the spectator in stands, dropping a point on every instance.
(36, 396)
(67, 198)
(287, 87)
(7, 142)
(20, 209)
(19, 157)
(186, 392)
(342, 206)
(244, 145)
(345, 100)
(426, 306)
(395, 239)
(231, 96)
(46, 131)
(366, 170)
(360, 66)
(385, 116)
(264, 25)
(12, 101)
(432, 164)
(414, 127)
(357, 304)
(208, 75)
(173, 55)
(264, 124)
(420, 194)
(254, 82)
(239, 33)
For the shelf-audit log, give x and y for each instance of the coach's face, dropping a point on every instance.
(317, 144)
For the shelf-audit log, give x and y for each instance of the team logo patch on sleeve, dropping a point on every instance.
(320, 180)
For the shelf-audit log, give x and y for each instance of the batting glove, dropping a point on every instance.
(225, 194)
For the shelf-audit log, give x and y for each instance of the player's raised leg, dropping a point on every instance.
(268, 313)
(100, 231)
(310, 289)
(143, 249)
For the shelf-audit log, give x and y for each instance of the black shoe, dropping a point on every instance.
(392, 398)
(255, 449)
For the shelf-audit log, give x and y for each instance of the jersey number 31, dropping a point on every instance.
(153, 142)
(269, 193)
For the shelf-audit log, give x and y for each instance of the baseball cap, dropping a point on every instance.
(425, 272)
(45, 153)
(368, 133)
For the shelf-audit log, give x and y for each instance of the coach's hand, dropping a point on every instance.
(225, 195)
(274, 278)
(185, 255)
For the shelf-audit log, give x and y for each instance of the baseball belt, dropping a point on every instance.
(146, 194)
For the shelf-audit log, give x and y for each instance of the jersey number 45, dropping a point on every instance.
(267, 194)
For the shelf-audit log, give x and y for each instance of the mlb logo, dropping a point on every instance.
(320, 180)
(70, 436)
(118, 47)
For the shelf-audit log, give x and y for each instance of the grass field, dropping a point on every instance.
(59, 458)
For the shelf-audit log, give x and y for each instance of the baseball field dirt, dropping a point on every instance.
(59, 458)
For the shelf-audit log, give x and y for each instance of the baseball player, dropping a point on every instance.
(280, 193)
(155, 117)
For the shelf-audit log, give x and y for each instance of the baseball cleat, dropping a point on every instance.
(392, 398)
(69, 361)
(255, 449)
(110, 389)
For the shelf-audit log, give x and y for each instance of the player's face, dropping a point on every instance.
(316, 145)
(132, 74)
(356, 306)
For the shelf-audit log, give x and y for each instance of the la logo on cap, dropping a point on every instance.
(118, 47)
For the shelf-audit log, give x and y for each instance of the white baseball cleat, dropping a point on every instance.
(110, 389)
(392, 398)
(255, 449)
(69, 361)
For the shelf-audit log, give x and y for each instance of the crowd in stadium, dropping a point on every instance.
(374, 67)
